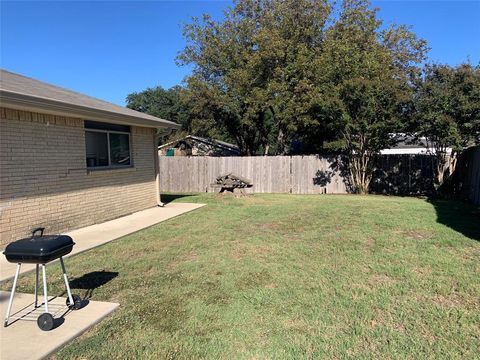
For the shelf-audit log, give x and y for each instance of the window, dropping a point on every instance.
(107, 145)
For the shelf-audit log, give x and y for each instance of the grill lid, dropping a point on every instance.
(39, 249)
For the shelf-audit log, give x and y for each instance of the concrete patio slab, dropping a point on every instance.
(22, 339)
(95, 235)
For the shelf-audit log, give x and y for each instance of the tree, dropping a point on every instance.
(179, 105)
(274, 71)
(368, 74)
(160, 102)
(448, 113)
(255, 69)
(164, 104)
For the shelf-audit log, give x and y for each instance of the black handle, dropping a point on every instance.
(40, 229)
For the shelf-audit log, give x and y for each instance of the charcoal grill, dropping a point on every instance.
(40, 249)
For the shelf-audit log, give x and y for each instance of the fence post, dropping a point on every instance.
(290, 185)
(409, 174)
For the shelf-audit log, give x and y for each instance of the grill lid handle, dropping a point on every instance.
(40, 230)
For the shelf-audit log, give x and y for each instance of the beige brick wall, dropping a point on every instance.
(44, 180)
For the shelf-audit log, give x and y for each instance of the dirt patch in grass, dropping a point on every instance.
(299, 325)
(375, 280)
(382, 319)
(271, 286)
(372, 282)
(254, 279)
(237, 256)
(165, 313)
(381, 323)
(240, 251)
(368, 245)
(261, 251)
(187, 258)
(422, 271)
(469, 253)
(450, 301)
(213, 293)
(287, 227)
(417, 234)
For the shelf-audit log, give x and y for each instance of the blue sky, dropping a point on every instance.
(110, 49)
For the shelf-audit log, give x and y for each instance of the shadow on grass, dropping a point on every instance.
(91, 281)
(459, 216)
(167, 198)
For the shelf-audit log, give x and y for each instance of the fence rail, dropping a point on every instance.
(313, 174)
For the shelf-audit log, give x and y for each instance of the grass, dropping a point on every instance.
(291, 277)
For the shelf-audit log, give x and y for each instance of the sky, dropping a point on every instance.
(108, 49)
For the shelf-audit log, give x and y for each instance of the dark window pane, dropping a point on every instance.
(119, 149)
(97, 149)
(106, 126)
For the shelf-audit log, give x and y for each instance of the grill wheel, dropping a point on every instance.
(77, 302)
(45, 322)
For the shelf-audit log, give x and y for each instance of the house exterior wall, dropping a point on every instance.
(44, 180)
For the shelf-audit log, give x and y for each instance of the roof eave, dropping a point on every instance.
(54, 107)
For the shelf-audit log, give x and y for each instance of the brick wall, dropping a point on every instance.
(44, 180)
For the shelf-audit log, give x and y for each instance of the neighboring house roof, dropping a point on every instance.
(410, 144)
(24, 93)
(212, 142)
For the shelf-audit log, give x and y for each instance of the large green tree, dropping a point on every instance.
(273, 71)
(448, 113)
(368, 76)
(254, 68)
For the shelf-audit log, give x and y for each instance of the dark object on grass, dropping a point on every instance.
(232, 183)
(39, 249)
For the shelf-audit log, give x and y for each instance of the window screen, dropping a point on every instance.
(107, 145)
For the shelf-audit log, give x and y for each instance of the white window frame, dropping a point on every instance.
(110, 166)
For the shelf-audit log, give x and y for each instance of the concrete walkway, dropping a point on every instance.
(22, 339)
(95, 235)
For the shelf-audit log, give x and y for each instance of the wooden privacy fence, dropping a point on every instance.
(466, 179)
(313, 174)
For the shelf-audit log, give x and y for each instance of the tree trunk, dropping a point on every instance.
(360, 174)
(445, 168)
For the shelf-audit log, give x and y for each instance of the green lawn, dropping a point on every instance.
(285, 276)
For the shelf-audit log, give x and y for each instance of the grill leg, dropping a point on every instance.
(36, 285)
(45, 294)
(12, 294)
(67, 285)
